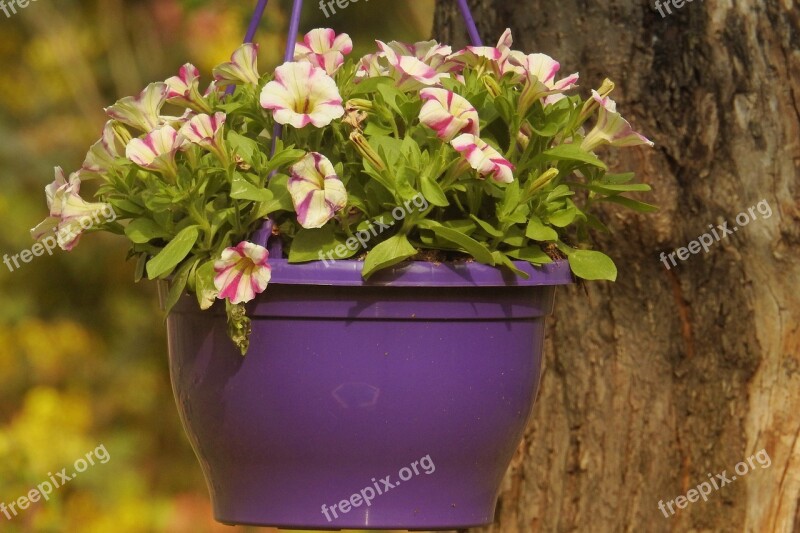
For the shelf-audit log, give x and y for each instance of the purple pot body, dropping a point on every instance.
(426, 374)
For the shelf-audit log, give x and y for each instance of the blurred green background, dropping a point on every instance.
(83, 349)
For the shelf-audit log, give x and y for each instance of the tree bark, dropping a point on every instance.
(666, 376)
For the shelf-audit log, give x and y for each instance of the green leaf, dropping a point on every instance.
(314, 244)
(433, 192)
(613, 188)
(618, 178)
(123, 205)
(532, 254)
(244, 189)
(177, 286)
(502, 259)
(572, 152)
(564, 217)
(477, 250)
(138, 274)
(387, 254)
(142, 230)
(636, 205)
(590, 264)
(539, 232)
(390, 94)
(370, 85)
(205, 290)
(282, 158)
(173, 253)
(246, 148)
(488, 228)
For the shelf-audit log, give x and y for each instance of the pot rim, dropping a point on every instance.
(347, 273)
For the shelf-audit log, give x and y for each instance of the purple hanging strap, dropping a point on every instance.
(469, 21)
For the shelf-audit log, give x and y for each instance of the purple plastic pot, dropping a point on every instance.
(348, 382)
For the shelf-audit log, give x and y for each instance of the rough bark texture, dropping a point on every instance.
(664, 377)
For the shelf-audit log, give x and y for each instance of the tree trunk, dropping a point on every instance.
(657, 381)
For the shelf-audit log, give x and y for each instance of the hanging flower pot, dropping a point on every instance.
(395, 403)
(356, 257)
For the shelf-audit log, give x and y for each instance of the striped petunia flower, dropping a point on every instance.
(103, 154)
(539, 74)
(242, 272)
(324, 49)
(495, 58)
(483, 158)
(409, 72)
(302, 94)
(611, 128)
(184, 89)
(70, 215)
(207, 131)
(242, 69)
(448, 114)
(156, 150)
(317, 192)
(142, 112)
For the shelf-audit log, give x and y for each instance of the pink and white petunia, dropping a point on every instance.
(184, 89)
(611, 128)
(539, 75)
(242, 272)
(207, 131)
(156, 150)
(103, 154)
(143, 111)
(483, 158)
(302, 94)
(317, 192)
(430, 53)
(487, 57)
(70, 215)
(410, 73)
(448, 114)
(241, 69)
(324, 49)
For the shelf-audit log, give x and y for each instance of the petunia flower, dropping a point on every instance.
(242, 272)
(483, 158)
(103, 154)
(448, 114)
(539, 74)
(184, 89)
(242, 68)
(302, 94)
(611, 128)
(206, 131)
(143, 111)
(324, 49)
(432, 54)
(495, 58)
(410, 73)
(70, 215)
(156, 151)
(317, 192)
